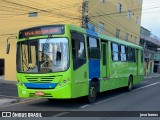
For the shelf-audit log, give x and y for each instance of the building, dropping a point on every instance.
(151, 45)
(116, 18)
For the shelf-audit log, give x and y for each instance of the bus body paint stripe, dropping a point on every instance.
(40, 85)
(94, 69)
(94, 64)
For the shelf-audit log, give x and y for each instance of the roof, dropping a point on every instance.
(105, 37)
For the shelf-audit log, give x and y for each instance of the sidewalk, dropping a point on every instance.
(153, 75)
(8, 92)
(7, 81)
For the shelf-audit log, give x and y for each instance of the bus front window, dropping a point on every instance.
(53, 54)
(43, 55)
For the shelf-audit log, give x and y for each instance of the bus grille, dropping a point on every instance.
(40, 79)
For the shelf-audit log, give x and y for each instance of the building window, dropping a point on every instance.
(129, 14)
(32, 14)
(127, 35)
(119, 7)
(117, 33)
(2, 66)
(102, 1)
(135, 39)
(137, 20)
(100, 27)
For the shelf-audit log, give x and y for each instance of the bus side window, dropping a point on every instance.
(136, 55)
(133, 55)
(129, 54)
(142, 57)
(78, 50)
(123, 53)
(115, 52)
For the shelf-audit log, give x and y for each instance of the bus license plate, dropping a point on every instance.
(39, 93)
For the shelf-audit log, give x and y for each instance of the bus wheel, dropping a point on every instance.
(92, 92)
(130, 84)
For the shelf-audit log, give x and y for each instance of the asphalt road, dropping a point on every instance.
(144, 97)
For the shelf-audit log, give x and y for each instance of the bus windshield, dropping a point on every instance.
(43, 55)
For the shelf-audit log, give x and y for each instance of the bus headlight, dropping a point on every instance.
(64, 82)
(21, 83)
(60, 84)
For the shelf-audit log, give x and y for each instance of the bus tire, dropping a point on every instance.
(130, 84)
(92, 92)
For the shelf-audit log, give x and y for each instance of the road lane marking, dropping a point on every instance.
(124, 94)
(84, 106)
(146, 86)
(87, 105)
(60, 114)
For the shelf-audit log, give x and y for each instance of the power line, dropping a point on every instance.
(109, 30)
(119, 24)
(8, 34)
(37, 9)
(125, 11)
(46, 12)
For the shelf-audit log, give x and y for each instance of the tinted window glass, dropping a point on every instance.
(93, 48)
(78, 50)
(115, 52)
(123, 53)
(104, 53)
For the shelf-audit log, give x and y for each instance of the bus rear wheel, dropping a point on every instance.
(130, 84)
(92, 92)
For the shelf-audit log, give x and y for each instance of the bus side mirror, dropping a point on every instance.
(8, 44)
(7, 47)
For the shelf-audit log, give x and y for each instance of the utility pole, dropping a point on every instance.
(85, 18)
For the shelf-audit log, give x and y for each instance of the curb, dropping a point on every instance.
(151, 77)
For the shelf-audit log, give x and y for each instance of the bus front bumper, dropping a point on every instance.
(63, 92)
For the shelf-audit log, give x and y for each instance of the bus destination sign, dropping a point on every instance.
(39, 31)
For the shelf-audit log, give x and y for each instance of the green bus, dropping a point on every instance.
(66, 61)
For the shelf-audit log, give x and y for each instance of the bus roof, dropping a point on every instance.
(102, 36)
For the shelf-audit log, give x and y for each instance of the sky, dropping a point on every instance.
(151, 16)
